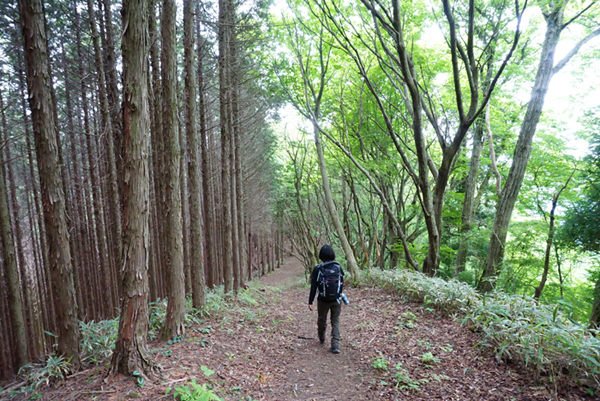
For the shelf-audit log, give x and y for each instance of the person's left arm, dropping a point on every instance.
(313, 288)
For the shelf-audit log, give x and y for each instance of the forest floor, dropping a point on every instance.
(390, 350)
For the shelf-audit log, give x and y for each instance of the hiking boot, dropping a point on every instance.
(335, 350)
(322, 342)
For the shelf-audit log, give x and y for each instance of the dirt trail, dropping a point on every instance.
(390, 350)
(380, 329)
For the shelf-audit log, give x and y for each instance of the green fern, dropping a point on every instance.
(194, 392)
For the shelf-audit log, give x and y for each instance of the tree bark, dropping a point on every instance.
(130, 352)
(78, 223)
(225, 35)
(158, 153)
(45, 131)
(468, 202)
(185, 204)
(195, 188)
(11, 274)
(176, 307)
(208, 210)
(233, 175)
(48, 314)
(550, 240)
(112, 90)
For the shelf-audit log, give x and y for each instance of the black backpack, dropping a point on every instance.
(330, 281)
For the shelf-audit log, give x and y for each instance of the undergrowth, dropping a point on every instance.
(98, 338)
(540, 337)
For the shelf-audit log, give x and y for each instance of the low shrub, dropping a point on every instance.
(540, 337)
(98, 339)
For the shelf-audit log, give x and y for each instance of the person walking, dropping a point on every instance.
(328, 278)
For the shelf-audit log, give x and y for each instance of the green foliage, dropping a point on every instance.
(216, 300)
(404, 381)
(194, 392)
(175, 340)
(428, 358)
(28, 391)
(158, 314)
(53, 371)
(207, 372)
(538, 336)
(524, 259)
(98, 339)
(139, 378)
(582, 221)
(246, 297)
(380, 362)
(406, 320)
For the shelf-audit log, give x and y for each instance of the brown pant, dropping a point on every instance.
(336, 309)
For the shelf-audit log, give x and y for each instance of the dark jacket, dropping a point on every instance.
(313, 282)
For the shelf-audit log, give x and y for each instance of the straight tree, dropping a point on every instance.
(206, 193)
(130, 352)
(225, 35)
(197, 265)
(174, 235)
(11, 275)
(45, 131)
(114, 204)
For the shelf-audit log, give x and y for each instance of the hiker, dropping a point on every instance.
(328, 278)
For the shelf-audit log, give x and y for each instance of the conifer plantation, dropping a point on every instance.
(170, 169)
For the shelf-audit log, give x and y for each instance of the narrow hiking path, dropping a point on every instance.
(266, 348)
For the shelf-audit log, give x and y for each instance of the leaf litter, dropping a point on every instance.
(390, 350)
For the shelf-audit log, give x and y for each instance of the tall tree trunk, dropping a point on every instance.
(208, 210)
(11, 274)
(550, 240)
(153, 265)
(352, 265)
(196, 263)
(470, 187)
(510, 192)
(112, 90)
(114, 203)
(77, 219)
(238, 173)
(131, 352)
(7, 369)
(234, 73)
(158, 152)
(88, 230)
(45, 296)
(45, 131)
(175, 309)
(225, 35)
(99, 231)
(185, 207)
(233, 198)
(34, 346)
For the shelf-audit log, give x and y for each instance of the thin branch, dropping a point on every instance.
(579, 14)
(455, 68)
(574, 51)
